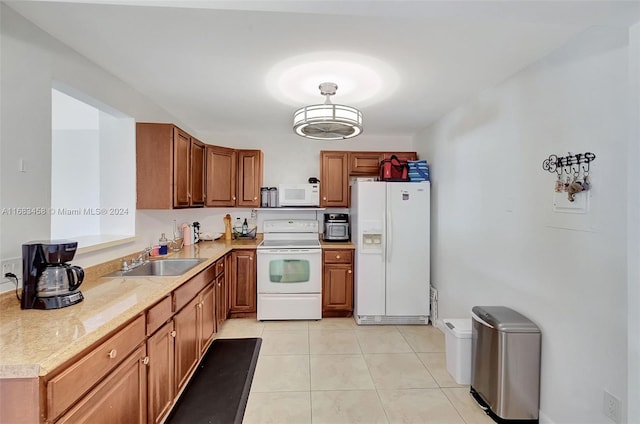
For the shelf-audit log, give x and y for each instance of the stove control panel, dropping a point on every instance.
(291, 226)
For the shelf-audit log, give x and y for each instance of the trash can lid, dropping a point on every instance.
(459, 327)
(505, 319)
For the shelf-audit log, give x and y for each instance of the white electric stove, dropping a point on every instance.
(289, 271)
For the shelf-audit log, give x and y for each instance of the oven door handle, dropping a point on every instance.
(288, 251)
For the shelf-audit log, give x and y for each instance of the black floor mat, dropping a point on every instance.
(218, 391)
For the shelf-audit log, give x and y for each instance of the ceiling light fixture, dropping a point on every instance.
(327, 121)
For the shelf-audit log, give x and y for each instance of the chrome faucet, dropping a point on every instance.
(136, 262)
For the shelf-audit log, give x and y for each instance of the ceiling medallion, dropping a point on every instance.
(327, 121)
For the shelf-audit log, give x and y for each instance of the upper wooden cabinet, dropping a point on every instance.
(337, 166)
(234, 177)
(221, 176)
(169, 167)
(197, 173)
(176, 170)
(368, 163)
(334, 179)
(249, 178)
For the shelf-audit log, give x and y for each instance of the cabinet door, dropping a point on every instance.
(401, 155)
(228, 280)
(221, 176)
(207, 317)
(364, 163)
(221, 301)
(243, 287)
(249, 178)
(154, 165)
(119, 398)
(337, 290)
(187, 338)
(160, 349)
(197, 173)
(181, 171)
(334, 180)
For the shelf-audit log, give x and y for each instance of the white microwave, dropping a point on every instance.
(301, 195)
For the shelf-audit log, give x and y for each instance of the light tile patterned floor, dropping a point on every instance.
(335, 372)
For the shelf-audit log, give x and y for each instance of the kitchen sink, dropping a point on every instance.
(159, 268)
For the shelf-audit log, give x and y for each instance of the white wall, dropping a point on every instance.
(633, 253)
(496, 240)
(33, 62)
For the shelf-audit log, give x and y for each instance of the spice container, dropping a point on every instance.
(273, 197)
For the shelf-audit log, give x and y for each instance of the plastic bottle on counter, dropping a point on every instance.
(164, 245)
(187, 234)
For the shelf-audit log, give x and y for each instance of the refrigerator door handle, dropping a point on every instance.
(389, 234)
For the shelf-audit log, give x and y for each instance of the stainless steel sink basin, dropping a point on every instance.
(159, 268)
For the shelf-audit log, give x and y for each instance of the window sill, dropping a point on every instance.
(88, 244)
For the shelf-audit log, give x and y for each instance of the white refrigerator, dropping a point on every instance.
(390, 228)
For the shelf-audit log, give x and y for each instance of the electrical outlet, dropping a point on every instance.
(611, 407)
(13, 265)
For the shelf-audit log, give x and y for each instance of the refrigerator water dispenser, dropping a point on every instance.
(372, 242)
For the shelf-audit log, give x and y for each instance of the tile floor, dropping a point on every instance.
(335, 372)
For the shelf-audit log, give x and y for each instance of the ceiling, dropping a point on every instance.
(220, 66)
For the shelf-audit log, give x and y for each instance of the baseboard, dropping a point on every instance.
(391, 320)
(544, 418)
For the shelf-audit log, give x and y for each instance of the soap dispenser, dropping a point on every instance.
(164, 245)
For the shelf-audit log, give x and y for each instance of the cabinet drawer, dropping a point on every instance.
(338, 256)
(219, 266)
(183, 294)
(159, 314)
(67, 387)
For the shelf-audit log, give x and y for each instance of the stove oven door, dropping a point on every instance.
(289, 270)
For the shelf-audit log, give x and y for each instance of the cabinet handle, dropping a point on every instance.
(255, 198)
(145, 360)
(234, 197)
(349, 272)
(250, 258)
(173, 333)
(112, 354)
(324, 198)
(337, 256)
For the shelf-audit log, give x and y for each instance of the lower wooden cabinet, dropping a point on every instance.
(120, 398)
(161, 373)
(337, 283)
(243, 282)
(207, 318)
(194, 326)
(135, 374)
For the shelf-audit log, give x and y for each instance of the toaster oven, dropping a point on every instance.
(336, 227)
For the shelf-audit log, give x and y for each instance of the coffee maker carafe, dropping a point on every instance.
(49, 282)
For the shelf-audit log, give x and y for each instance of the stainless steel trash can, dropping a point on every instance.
(505, 364)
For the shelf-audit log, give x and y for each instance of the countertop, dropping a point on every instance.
(34, 342)
(336, 244)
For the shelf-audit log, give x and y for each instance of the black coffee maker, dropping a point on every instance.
(48, 282)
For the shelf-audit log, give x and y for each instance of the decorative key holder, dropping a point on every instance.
(576, 170)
